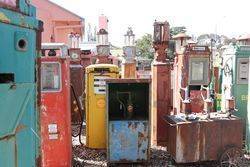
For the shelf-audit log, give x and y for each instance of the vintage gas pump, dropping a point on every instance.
(235, 81)
(129, 62)
(192, 78)
(96, 103)
(55, 107)
(20, 34)
(77, 85)
(161, 83)
(236, 77)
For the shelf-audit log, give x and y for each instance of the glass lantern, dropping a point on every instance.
(161, 32)
(129, 38)
(102, 37)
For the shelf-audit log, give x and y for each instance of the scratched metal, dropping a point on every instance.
(202, 140)
(128, 141)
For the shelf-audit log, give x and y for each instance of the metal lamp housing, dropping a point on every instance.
(161, 32)
(129, 38)
(102, 37)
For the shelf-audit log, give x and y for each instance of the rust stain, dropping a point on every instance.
(16, 165)
(7, 137)
(19, 128)
(38, 161)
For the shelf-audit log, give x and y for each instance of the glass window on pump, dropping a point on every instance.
(51, 77)
(11, 3)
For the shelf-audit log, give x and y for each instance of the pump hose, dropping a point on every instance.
(80, 113)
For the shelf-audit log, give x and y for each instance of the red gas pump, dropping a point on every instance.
(55, 106)
(192, 79)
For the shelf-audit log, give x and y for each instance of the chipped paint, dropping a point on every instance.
(202, 140)
(128, 141)
(4, 18)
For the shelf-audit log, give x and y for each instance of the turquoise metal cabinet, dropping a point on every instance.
(19, 130)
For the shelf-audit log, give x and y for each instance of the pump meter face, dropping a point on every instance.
(74, 55)
(51, 77)
(103, 50)
(199, 71)
(243, 70)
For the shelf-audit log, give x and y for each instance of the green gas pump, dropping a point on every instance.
(235, 80)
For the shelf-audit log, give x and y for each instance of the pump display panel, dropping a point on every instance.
(51, 77)
(199, 71)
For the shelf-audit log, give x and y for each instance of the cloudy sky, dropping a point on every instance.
(228, 17)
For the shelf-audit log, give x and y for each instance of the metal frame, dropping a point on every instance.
(238, 80)
(60, 71)
(205, 62)
(149, 114)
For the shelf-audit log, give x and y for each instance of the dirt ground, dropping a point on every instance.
(159, 157)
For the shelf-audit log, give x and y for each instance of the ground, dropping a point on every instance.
(159, 157)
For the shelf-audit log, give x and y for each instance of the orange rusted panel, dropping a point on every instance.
(204, 139)
(197, 103)
(55, 112)
(129, 70)
(161, 94)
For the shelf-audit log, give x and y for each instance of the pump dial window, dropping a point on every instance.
(51, 77)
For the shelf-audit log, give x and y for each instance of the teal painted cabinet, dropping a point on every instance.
(19, 123)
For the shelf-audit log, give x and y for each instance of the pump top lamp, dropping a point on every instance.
(129, 50)
(160, 40)
(103, 48)
(129, 37)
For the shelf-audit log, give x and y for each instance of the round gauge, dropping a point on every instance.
(74, 56)
(104, 50)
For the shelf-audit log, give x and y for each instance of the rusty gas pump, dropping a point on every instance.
(192, 72)
(161, 83)
(55, 106)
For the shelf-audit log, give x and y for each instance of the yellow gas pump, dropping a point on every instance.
(96, 103)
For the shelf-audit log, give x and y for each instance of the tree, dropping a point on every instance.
(176, 30)
(144, 46)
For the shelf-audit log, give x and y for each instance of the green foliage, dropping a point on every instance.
(144, 46)
(177, 30)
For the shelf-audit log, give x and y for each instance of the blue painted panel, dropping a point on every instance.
(13, 104)
(19, 132)
(128, 141)
(7, 153)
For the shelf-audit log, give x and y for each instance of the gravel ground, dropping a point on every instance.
(83, 156)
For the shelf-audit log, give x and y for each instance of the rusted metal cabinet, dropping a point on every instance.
(128, 120)
(55, 107)
(202, 140)
(20, 32)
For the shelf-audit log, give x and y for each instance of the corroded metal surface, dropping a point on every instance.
(55, 116)
(202, 140)
(128, 141)
(161, 100)
(77, 82)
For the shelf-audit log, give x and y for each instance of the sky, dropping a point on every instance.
(227, 17)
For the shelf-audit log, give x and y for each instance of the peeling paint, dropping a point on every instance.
(4, 18)
(128, 141)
